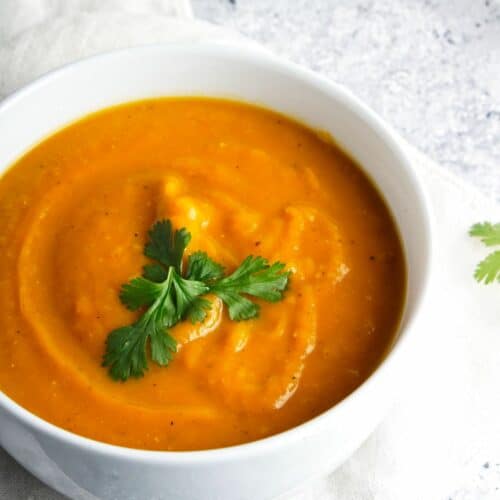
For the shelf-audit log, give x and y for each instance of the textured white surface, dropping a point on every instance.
(442, 438)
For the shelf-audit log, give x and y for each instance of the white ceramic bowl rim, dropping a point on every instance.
(264, 60)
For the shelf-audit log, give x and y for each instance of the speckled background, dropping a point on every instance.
(430, 68)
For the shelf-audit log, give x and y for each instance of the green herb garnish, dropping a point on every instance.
(488, 270)
(168, 295)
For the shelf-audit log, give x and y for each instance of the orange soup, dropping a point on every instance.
(75, 212)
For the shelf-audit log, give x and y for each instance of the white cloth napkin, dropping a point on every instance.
(442, 438)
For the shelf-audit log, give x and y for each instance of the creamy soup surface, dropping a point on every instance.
(74, 216)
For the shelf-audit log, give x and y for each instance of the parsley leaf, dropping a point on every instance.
(201, 267)
(126, 352)
(139, 292)
(185, 291)
(167, 246)
(166, 296)
(254, 277)
(154, 272)
(167, 304)
(198, 309)
(487, 232)
(488, 270)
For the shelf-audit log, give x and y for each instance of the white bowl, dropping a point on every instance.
(83, 468)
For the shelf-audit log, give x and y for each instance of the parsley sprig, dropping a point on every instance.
(488, 270)
(167, 295)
